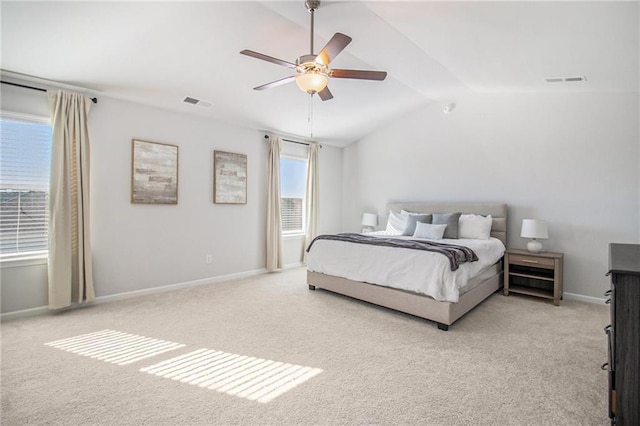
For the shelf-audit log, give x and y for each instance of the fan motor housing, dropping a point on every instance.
(307, 63)
(305, 59)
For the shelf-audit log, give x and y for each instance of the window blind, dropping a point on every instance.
(25, 156)
(292, 214)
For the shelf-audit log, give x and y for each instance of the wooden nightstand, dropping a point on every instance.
(534, 274)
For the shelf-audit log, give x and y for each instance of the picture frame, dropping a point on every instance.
(154, 172)
(229, 178)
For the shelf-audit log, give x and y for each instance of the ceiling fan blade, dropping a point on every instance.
(325, 94)
(337, 43)
(358, 74)
(276, 83)
(268, 58)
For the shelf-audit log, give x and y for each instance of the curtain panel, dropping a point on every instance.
(312, 207)
(274, 221)
(70, 271)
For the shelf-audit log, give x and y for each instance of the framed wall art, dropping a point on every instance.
(229, 178)
(154, 173)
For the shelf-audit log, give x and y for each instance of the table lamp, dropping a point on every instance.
(534, 229)
(369, 221)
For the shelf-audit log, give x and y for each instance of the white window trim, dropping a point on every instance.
(24, 259)
(27, 117)
(16, 260)
(292, 234)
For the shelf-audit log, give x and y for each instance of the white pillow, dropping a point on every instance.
(429, 231)
(396, 223)
(475, 227)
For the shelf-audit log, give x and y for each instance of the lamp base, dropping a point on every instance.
(534, 246)
(367, 229)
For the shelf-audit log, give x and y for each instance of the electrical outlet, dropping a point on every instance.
(209, 259)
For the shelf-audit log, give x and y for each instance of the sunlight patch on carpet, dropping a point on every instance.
(247, 377)
(114, 346)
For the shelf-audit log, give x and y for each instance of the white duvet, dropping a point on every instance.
(413, 270)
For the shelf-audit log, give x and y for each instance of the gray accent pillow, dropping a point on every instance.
(449, 219)
(412, 219)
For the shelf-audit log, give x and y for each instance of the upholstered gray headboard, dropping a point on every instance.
(498, 212)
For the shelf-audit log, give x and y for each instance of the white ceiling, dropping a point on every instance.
(157, 53)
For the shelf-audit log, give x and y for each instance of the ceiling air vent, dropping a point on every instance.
(198, 102)
(566, 79)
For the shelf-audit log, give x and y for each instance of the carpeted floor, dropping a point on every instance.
(512, 360)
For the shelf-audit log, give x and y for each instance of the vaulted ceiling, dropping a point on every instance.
(158, 53)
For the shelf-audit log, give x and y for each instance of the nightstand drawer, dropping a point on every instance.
(536, 261)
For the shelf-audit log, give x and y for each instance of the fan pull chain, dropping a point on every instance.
(310, 115)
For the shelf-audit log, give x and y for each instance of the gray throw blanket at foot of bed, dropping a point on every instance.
(455, 254)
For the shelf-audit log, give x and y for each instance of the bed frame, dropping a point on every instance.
(443, 313)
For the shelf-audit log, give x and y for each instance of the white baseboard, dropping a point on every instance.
(204, 281)
(31, 312)
(130, 294)
(581, 298)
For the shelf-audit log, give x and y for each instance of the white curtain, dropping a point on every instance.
(274, 222)
(312, 209)
(70, 269)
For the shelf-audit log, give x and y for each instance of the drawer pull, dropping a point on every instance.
(604, 366)
(607, 302)
(529, 261)
(607, 293)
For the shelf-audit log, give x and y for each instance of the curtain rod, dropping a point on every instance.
(290, 141)
(94, 100)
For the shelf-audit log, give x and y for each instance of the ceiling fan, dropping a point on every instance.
(313, 71)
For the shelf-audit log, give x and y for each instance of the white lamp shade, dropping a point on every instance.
(370, 219)
(312, 82)
(532, 228)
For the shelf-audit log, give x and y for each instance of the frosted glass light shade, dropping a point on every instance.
(370, 219)
(535, 229)
(312, 82)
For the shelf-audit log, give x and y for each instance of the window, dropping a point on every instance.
(293, 176)
(25, 157)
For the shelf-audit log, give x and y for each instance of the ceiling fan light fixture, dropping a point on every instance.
(312, 82)
(312, 70)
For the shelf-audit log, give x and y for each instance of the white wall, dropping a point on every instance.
(570, 159)
(138, 247)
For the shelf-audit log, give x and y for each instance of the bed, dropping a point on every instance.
(485, 281)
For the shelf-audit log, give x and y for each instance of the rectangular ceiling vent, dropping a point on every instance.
(198, 102)
(566, 79)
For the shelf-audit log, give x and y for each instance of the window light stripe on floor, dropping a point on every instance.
(115, 347)
(255, 379)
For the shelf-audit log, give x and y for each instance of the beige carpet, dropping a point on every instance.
(512, 360)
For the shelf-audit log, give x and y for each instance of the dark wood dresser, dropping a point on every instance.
(624, 334)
